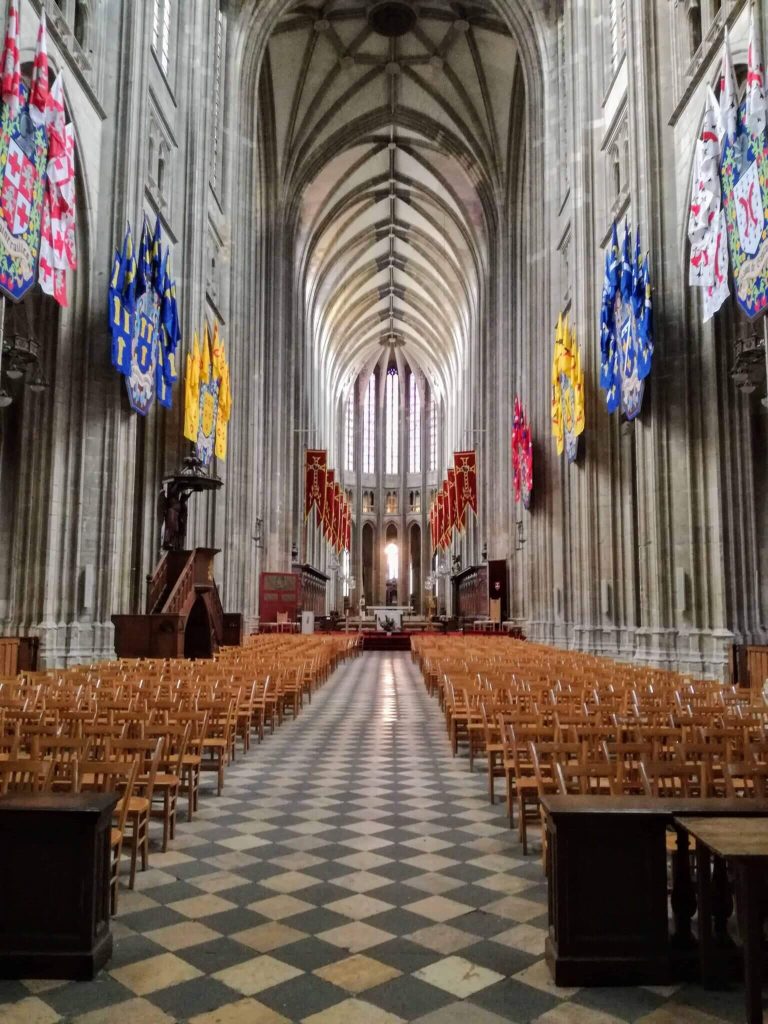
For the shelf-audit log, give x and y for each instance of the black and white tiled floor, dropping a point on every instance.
(352, 872)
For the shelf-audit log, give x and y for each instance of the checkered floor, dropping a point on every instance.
(352, 873)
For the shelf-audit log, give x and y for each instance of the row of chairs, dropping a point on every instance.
(147, 729)
(548, 721)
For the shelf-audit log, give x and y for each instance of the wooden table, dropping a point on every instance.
(746, 849)
(607, 875)
(55, 870)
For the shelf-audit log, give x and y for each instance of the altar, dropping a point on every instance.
(394, 613)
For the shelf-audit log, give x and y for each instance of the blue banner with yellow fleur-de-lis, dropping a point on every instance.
(144, 320)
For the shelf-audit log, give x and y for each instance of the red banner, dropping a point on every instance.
(315, 466)
(447, 513)
(338, 524)
(453, 504)
(329, 508)
(466, 485)
(439, 519)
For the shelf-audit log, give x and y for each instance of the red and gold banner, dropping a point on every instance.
(338, 521)
(447, 514)
(329, 504)
(453, 505)
(466, 485)
(315, 467)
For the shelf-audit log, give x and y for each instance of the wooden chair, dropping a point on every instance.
(168, 780)
(65, 752)
(147, 753)
(112, 777)
(744, 779)
(244, 715)
(9, 747)
(218, 741)
(626, 757)
(25, 776)
(586, 779)
(193, 756)
(673, 779)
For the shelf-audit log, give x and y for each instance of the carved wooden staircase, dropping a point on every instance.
(183, 617)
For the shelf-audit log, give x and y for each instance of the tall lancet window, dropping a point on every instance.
(432, 435)
(349, 433)
(369, 426)
(414, 435)
(217, 73)
(161, 32)
(392, 422)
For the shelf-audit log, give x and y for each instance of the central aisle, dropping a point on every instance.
(352, 872)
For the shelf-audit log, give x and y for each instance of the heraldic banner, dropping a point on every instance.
(208, 397)
(626, 325)
(744, 179)
(315, 466)
(37, 168)
(567, 391)
(728, 220)
(144, 320)
(465, 464)
(522, 456)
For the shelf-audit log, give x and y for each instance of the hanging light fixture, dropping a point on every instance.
(38, 384)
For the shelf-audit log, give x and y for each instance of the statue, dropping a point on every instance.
(172, 514)
(172, 501)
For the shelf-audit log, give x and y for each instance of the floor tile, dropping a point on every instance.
(355, 936)
(359, 907)
(182, 936)
(357, 973)
(255, 975)
(524, 937)
(31, 1010)
(132, 1011)
(439, 908)
(353, 1010)
(202, 906)
(538, 976)
(458, 976)
(269, 936)
(278, 907)
(461, 1013)
(244, 1011)
(153, 974)
(443, 938)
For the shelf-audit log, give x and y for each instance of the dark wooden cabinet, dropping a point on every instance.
(291, 593)
(18, 654)
(55, 869)
(609, 916)
(477, 586)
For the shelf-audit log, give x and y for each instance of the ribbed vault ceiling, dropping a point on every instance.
(392, 156)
